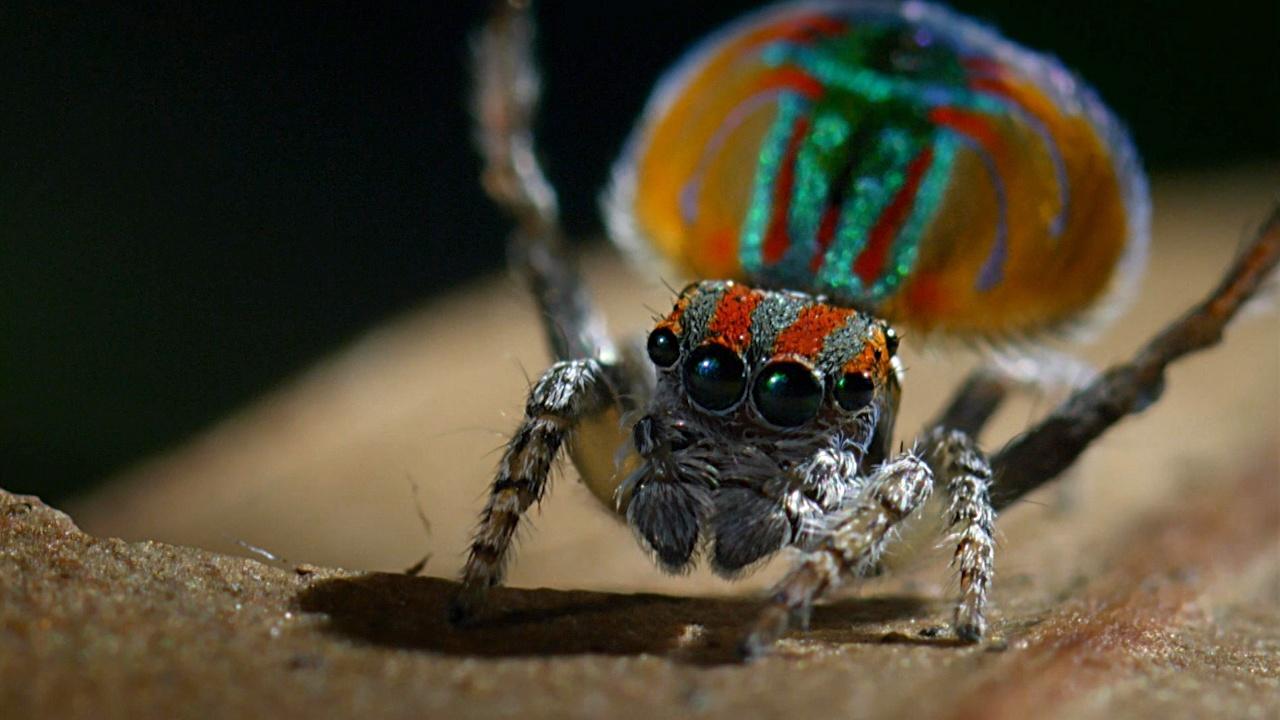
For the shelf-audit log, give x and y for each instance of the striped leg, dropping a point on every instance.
(567, 392)
(854, 545)
(966, 475)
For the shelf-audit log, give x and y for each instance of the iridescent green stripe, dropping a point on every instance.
(928, 198)
(835, 72)
(772, 153)
(880, 176)
(818, 162)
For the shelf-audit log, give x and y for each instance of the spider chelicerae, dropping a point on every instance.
(759, 413)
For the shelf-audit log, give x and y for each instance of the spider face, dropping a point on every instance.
(752, 387)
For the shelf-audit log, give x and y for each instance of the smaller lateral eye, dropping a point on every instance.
(663, 347)
(891, 340)
(854, 390)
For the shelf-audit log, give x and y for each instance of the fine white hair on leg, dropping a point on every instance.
(566, 392)
(856, 537)
(965, 474)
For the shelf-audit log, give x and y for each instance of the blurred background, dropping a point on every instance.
(198, 201)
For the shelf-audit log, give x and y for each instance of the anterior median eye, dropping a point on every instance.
(714, 377)
(787, 394)
(663, 347)
(854, 390)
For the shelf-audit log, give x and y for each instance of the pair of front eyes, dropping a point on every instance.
(787, 393)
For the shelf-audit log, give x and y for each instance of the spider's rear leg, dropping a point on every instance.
(973, 403)
(566, 393)
(854, 544)
(1054, 443)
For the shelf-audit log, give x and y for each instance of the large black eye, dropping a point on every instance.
(854, 390)
(787, 394)
(663, 347)
(715, 377)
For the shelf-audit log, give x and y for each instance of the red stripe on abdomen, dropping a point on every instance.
(870, 262)
(971, 124)
(826, 232)
(777, 239)
(794, 80)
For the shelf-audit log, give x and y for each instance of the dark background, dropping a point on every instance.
(198, 201)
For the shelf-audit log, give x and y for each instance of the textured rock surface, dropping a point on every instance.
(1179, 617)
(1147, 584)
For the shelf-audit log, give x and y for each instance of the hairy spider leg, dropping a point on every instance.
(568, 391)
(507, 89)
(966, 475)
(1027, 462)
(853, 545)
(587, 385)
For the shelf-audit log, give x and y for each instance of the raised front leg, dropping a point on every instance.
(569, 391)
(965, 473)
(506, 97)
(855, 541)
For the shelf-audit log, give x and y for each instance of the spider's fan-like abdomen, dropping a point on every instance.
(896, 157)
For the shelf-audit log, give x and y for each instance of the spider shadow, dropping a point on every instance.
(406, 612)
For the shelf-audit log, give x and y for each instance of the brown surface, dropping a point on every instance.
(1149, 582)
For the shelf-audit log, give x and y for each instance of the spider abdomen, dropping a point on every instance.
(897, 158)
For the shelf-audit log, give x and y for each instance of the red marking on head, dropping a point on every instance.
(870, 262)
(731, 323)
(807, 334)
(777, 240)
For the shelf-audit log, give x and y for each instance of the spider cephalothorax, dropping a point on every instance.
(757, 393)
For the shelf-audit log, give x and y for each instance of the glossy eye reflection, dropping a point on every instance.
(714, 377)
(854, 390)
(663, 347)
(787, 394)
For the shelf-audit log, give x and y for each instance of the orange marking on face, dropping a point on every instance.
(672, 321)
(807, 334)
(874, 359)
(731, 323)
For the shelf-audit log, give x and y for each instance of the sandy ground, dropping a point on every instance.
(1147, 581)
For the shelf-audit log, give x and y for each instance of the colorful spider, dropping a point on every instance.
(835, 170)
